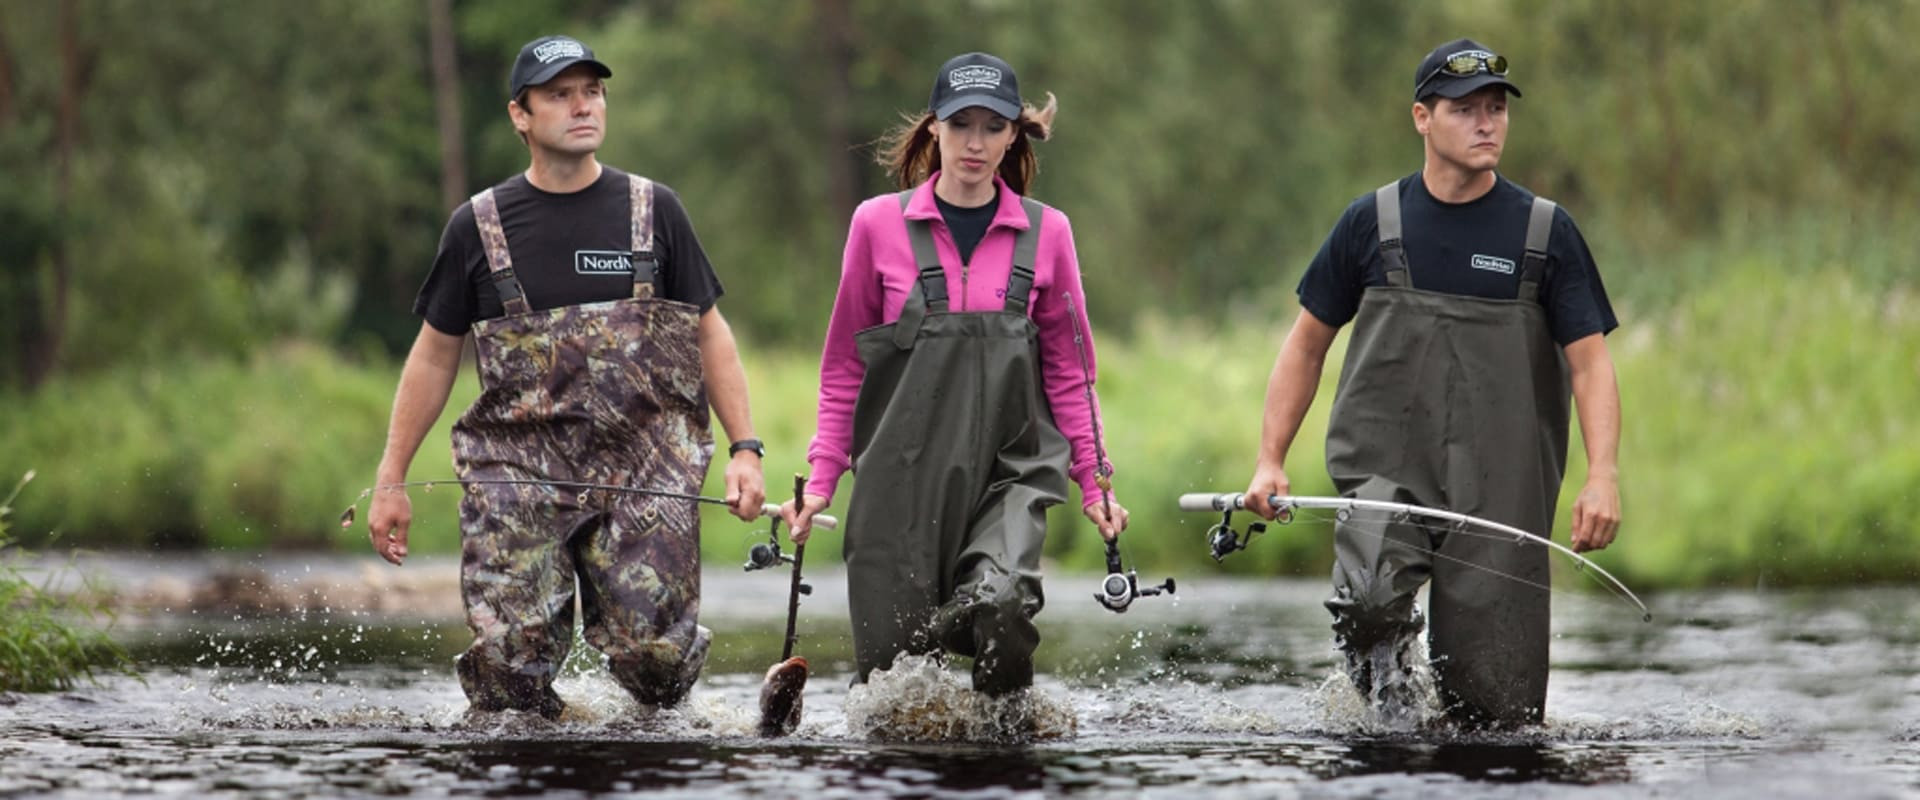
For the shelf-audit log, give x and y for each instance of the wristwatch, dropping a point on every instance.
(753, 445)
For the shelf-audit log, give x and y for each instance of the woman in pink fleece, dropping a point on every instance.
(952, 383)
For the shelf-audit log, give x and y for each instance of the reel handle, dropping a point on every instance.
(819, 520)
(1207, 501)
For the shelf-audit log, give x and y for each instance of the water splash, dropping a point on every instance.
(920, 700)
(1403, 697)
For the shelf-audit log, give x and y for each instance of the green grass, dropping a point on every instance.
(1764, 423)
(47, 642)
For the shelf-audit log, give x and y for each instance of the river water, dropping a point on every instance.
(342, 685)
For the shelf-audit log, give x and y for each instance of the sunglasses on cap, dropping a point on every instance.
(1468, 63)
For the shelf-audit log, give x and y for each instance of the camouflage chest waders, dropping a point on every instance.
(607, 392)
(957, 459)
(1458, 403)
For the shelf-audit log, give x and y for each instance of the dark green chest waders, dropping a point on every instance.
(607, 392)
(1458, 403)
(957, 459)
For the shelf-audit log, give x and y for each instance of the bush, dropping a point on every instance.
(1761, 418)
(40, 649)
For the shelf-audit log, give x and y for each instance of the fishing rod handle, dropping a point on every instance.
(1209, 501)
(819, 520)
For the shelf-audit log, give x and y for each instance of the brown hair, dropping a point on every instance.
(910, 154)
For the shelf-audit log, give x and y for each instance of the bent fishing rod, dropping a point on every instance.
(766, 509)
(1119, 589)
(1224, 540)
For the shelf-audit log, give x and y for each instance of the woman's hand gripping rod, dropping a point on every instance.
(767, 554)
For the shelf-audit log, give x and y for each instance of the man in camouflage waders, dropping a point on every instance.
(592, 310)
(1477, 311)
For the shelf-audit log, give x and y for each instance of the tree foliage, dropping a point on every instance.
(1202, 149)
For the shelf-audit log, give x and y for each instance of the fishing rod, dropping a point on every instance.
(780, 692)
(1119, 589)
(767, 554)
(1102, 473)
(1224, 540)
(766, 509)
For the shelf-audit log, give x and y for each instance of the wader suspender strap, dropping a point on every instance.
(933, 277)
(640, 191)
(1393, 251)
(931, 293)
(1539, 231)
(1025, 246)
(493, 239)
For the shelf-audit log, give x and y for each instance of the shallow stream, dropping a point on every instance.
(344, 686)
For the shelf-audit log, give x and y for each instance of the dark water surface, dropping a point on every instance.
(1228, 691)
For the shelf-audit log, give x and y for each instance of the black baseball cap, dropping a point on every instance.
(975, 79)
(546, 57)
(1460, 68)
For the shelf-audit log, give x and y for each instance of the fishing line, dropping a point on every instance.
(1611, 584)
(1225, 540)
(346, 517)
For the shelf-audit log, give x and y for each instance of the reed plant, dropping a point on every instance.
(49, 641)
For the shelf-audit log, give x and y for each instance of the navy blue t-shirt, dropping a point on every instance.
(968, 225)
(568, 249)
(1474, 248)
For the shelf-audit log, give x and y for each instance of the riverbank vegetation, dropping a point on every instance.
(48, 640)
(1762, 422)
(214, 239)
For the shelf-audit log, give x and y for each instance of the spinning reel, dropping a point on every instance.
(1222, 539)
(767, 554)
(1120, 588)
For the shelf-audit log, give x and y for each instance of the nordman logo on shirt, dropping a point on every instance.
(1493, 264)
(602, 262)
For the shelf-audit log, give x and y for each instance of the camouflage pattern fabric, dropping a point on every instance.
(608, 393)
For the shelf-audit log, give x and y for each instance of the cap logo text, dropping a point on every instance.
(558, 49)
(963, 78)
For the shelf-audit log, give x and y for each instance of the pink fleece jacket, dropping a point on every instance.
(878, 271)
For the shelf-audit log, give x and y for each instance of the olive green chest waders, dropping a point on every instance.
(1458, 403)
(957, 459)
(609, 393)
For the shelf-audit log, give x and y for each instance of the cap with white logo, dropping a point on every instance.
(547, 56)
(975, 79)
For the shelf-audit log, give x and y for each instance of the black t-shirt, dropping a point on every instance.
(1474, 248)
(568, 249)
(968, 225)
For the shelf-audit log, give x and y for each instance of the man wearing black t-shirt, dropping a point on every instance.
(592, 308)
(1477, 311)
